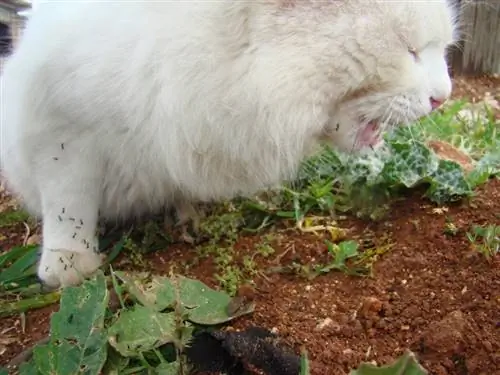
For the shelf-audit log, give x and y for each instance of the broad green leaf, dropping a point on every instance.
(141, 329)
(202, 304)
(448, 183)
(115, 363)
(478, 177)
(345, 250)
(340, 253)
(28, 368)
(206, 306)
(404, 365)
(78, 340)
(152, 292)
(409, 164)
(3, 371)
(168, 368)
(491, 161)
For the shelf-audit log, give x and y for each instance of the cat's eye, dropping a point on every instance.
(413, 52)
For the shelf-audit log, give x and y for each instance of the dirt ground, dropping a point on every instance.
(431, 293)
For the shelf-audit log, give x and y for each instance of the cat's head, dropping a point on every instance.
(400, 51)
(381, 62)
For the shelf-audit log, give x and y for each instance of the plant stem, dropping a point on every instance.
(15, 307)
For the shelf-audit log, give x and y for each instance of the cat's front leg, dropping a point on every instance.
(70, 204)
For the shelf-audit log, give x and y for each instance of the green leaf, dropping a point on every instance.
(28, 368)
(340, 253)
(141, 329)
(12, 254)
(286, 214)
(168, 368)
(404, 365)
(25, 304)
(22, 267)
(202, 304)
(115, 363)
(304, 363)
(410, 162)
(11, 218)
(206, 306)
(488, 165)
(116, 250)
(345, 250)
(151, 292)
(77, 338)
(448, 183)
(3, 371)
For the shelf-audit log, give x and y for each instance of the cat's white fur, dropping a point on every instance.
(124, 107)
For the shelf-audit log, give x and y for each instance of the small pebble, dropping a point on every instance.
(323, 324)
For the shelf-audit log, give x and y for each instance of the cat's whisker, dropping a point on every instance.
(389, 110)
(429, 118)
(410, 115)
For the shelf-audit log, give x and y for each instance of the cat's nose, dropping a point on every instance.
(436, 102)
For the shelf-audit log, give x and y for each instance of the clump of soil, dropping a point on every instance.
(241, 352)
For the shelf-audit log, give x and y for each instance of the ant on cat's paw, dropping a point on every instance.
(61, 268)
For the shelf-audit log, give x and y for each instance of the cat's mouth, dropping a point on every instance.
(370, 135)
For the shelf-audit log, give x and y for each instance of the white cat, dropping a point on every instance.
(113, 108)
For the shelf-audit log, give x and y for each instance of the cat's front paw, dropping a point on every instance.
(61, 268)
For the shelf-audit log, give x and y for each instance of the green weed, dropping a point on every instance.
(231, 271)
(406, 364)
(13, 217)
(485, 239)
(151, 330)
(155, 324)
(365, 184)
